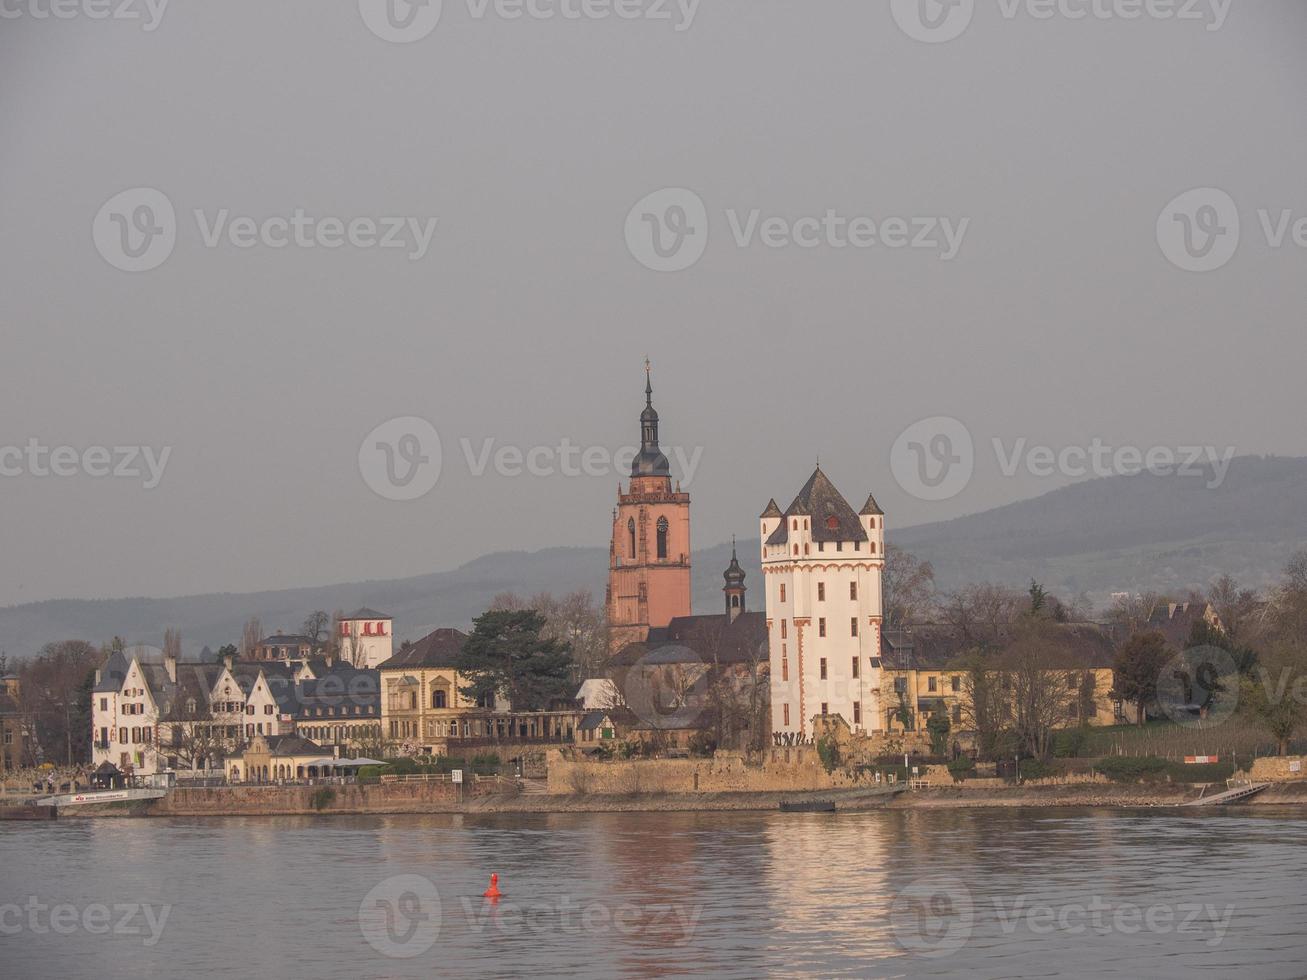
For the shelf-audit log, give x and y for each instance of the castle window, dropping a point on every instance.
(823, 671)
(805, 524)
(832, 523)
(857, 545)
(785, 712)
(853, 626)
(630, 533)
(794, 525)
(782, 592)
(873, 547)
(825, 708)
(662, 537)
(784, 631)
(855, 668)
(853, 590)
(839, 545)
(821, 631)
(785, 668)
(857, 713)
(821, 591)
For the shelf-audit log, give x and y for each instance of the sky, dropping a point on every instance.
(314, 292)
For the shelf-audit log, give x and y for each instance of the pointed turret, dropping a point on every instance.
(734, 587)
(651, 461)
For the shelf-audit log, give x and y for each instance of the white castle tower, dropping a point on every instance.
(822, 566)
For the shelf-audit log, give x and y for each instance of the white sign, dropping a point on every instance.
(1295, 767)
(456, 775)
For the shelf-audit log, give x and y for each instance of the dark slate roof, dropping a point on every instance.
(832, 517)
(292, 745)
(1175, 621)
(939, 647)
(286, 640)
(344, 693)
(712, 639)
(112, 674)
(773, 510)
(439, 648)
(871, 508)
(365, 613)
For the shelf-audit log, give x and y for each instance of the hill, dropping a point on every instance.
(1123, 533)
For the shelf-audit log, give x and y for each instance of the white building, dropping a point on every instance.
(822, 566)
(366, 638)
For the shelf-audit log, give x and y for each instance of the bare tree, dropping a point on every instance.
(908, 584)
(172, 643)
(315, 626)
(251, 635)
(1044, 691)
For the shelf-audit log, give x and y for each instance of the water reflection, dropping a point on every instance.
(898, 893)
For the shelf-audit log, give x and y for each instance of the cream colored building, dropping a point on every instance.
(366, 638)
(822, 565)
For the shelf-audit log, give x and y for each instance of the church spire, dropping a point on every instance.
(651, 461)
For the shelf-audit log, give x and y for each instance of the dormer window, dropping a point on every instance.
(832, 523)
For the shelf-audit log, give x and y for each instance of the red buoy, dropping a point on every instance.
(493, 891)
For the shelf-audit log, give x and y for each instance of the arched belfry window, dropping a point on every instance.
(662, 537)
(630, 533)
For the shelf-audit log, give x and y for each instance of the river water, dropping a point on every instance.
(983, 893)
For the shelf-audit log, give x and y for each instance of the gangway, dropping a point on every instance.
(1239, 790)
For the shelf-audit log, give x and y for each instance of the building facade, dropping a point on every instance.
(823, 565)
(649, 554)
(366, 638)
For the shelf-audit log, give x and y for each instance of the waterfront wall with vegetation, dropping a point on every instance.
(779, 770)
(398, 797)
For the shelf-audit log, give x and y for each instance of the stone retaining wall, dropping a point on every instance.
(1278, 769)
(779, 770)
(412, 797)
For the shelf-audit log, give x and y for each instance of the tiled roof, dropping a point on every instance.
(831, 516)
(938, 647)
(365, 613)
(439, 648)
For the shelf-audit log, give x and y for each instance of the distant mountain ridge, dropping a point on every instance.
(1122, 533)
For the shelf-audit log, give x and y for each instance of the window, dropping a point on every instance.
(832, 523)
(104, 704)
(782, 592)
(839, 545)
(857, 545)
(900, 685)
(784, 629)
(785, 668)
(794, 524)
(853, 591)
(931, 684)
(662, 538)
(825, 709)
(821, 591)
(956, 682)
(735, 602)
(855, 668)
(806, 547)
(785, 713)
(267, 709)
(439, 699)
(853, 626)
(630, 534)
(821, 626)
(857, 713)
(957, 713)
(823, 671)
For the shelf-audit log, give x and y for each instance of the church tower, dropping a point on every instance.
(649, 557)
(734, 588)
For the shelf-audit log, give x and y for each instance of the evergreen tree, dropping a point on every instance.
(507, 655)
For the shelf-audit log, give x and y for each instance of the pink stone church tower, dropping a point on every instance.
(649, 558)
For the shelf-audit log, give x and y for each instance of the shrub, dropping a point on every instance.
(1069, 743)
(702, 743)
(322, 798)
(962, 767)
(486, 763)
(828, 751)
(371, 774)
(1037, 769)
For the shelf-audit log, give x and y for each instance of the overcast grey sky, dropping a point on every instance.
(1053, 146)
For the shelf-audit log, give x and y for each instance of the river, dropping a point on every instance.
(980, 892)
